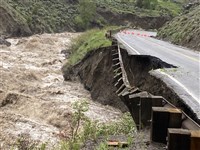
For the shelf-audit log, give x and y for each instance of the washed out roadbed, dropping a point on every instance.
(35, 101)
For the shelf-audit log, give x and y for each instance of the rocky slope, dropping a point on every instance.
(21, 18)
(184, 30)
(12, 22)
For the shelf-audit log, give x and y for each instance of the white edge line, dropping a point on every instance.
(180, 84)
(172, 78)
(128, 45)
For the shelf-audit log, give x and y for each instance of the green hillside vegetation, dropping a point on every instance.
(184, 29)
(12, 21)
(142, 7)
(78, 15)
(48, 16)
(82, 45)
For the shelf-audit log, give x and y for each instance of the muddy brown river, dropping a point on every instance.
(35, 101)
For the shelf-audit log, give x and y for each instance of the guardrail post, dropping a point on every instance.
(178, 139)
(162, 119)
(114, 42)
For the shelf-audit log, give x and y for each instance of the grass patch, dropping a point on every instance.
(86, 42)
(92, 130)
(83, 129)
(173, 8)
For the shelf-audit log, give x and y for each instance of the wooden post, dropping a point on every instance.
(146, 108)
(195, 140)
(162, 119)
(178, 139)
(134, 109)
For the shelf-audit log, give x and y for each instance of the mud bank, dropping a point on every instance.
(95, 72)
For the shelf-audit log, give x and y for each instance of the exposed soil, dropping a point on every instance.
(35, 102)
(96, 73)
(145, 22)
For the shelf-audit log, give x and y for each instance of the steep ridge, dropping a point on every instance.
(184, 30)
(11, 22)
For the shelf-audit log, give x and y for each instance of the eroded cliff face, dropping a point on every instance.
(144, 22)
(95, 72)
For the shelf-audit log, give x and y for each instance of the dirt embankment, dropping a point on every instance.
(145, 22)
(95, 72)
(184, 30)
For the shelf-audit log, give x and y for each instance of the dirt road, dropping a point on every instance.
(35, 102)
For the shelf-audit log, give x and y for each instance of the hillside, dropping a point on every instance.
(12, 21)
(77, 15)
(184, 30)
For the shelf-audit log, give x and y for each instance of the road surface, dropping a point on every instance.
(184, 80)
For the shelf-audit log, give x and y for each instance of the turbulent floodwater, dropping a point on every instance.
(35, 101)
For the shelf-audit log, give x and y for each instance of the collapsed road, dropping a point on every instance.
(183, 78)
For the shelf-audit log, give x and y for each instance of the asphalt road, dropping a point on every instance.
(184, 80)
